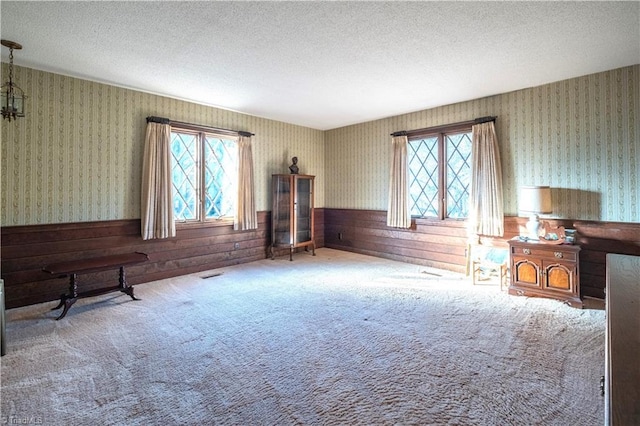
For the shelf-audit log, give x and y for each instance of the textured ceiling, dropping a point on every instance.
(323, 64)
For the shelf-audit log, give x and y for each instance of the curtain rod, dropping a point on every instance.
(479, 120)
(163, 120)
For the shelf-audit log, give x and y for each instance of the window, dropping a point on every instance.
(204, 170)
(440, 174)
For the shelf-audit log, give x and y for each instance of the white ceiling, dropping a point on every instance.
(323, 64)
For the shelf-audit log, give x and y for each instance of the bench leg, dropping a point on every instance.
(124, 286)
(61, 304)
(67, 300)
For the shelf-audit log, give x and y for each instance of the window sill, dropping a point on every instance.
(207, 224)
(431, 221)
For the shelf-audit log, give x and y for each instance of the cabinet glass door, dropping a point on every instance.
(281, 210)
(304, 205)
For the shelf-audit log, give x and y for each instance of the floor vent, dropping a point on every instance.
(212, 275)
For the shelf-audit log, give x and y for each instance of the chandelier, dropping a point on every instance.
(12, 96)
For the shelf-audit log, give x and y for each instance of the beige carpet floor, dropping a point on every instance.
(335, 339)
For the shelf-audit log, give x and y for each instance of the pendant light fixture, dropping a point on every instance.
(12, 96)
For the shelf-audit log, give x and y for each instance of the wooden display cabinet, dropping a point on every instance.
(292, 213)
(545, 270)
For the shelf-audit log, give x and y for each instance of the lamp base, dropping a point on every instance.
(533, 227)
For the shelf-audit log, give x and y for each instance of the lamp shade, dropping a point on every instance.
(535, 199)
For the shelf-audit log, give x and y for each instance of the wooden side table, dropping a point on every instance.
(545, 270)
(622, 344)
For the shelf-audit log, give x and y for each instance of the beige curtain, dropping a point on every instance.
(398, 214)
(157, 198)
(486, 215)
(246, 216)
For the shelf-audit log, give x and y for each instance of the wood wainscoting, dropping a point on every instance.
(438, 244)
(442, 244)
(27, 249)
(434, 243)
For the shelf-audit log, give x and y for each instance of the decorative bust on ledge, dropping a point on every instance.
(294, 166)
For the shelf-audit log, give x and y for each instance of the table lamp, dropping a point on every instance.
(535, 200)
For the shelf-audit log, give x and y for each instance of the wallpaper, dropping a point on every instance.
(579, 136)
(77, 155)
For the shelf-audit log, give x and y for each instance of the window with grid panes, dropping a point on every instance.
(204, 175)
(440, 174)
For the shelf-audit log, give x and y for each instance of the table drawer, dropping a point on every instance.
(545, 253)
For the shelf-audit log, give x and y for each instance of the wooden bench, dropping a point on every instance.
(84, 266)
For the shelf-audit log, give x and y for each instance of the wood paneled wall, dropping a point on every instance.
(27, 249)
(438, 244)
(442, 244)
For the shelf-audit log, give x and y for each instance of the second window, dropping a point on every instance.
(440, 174)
